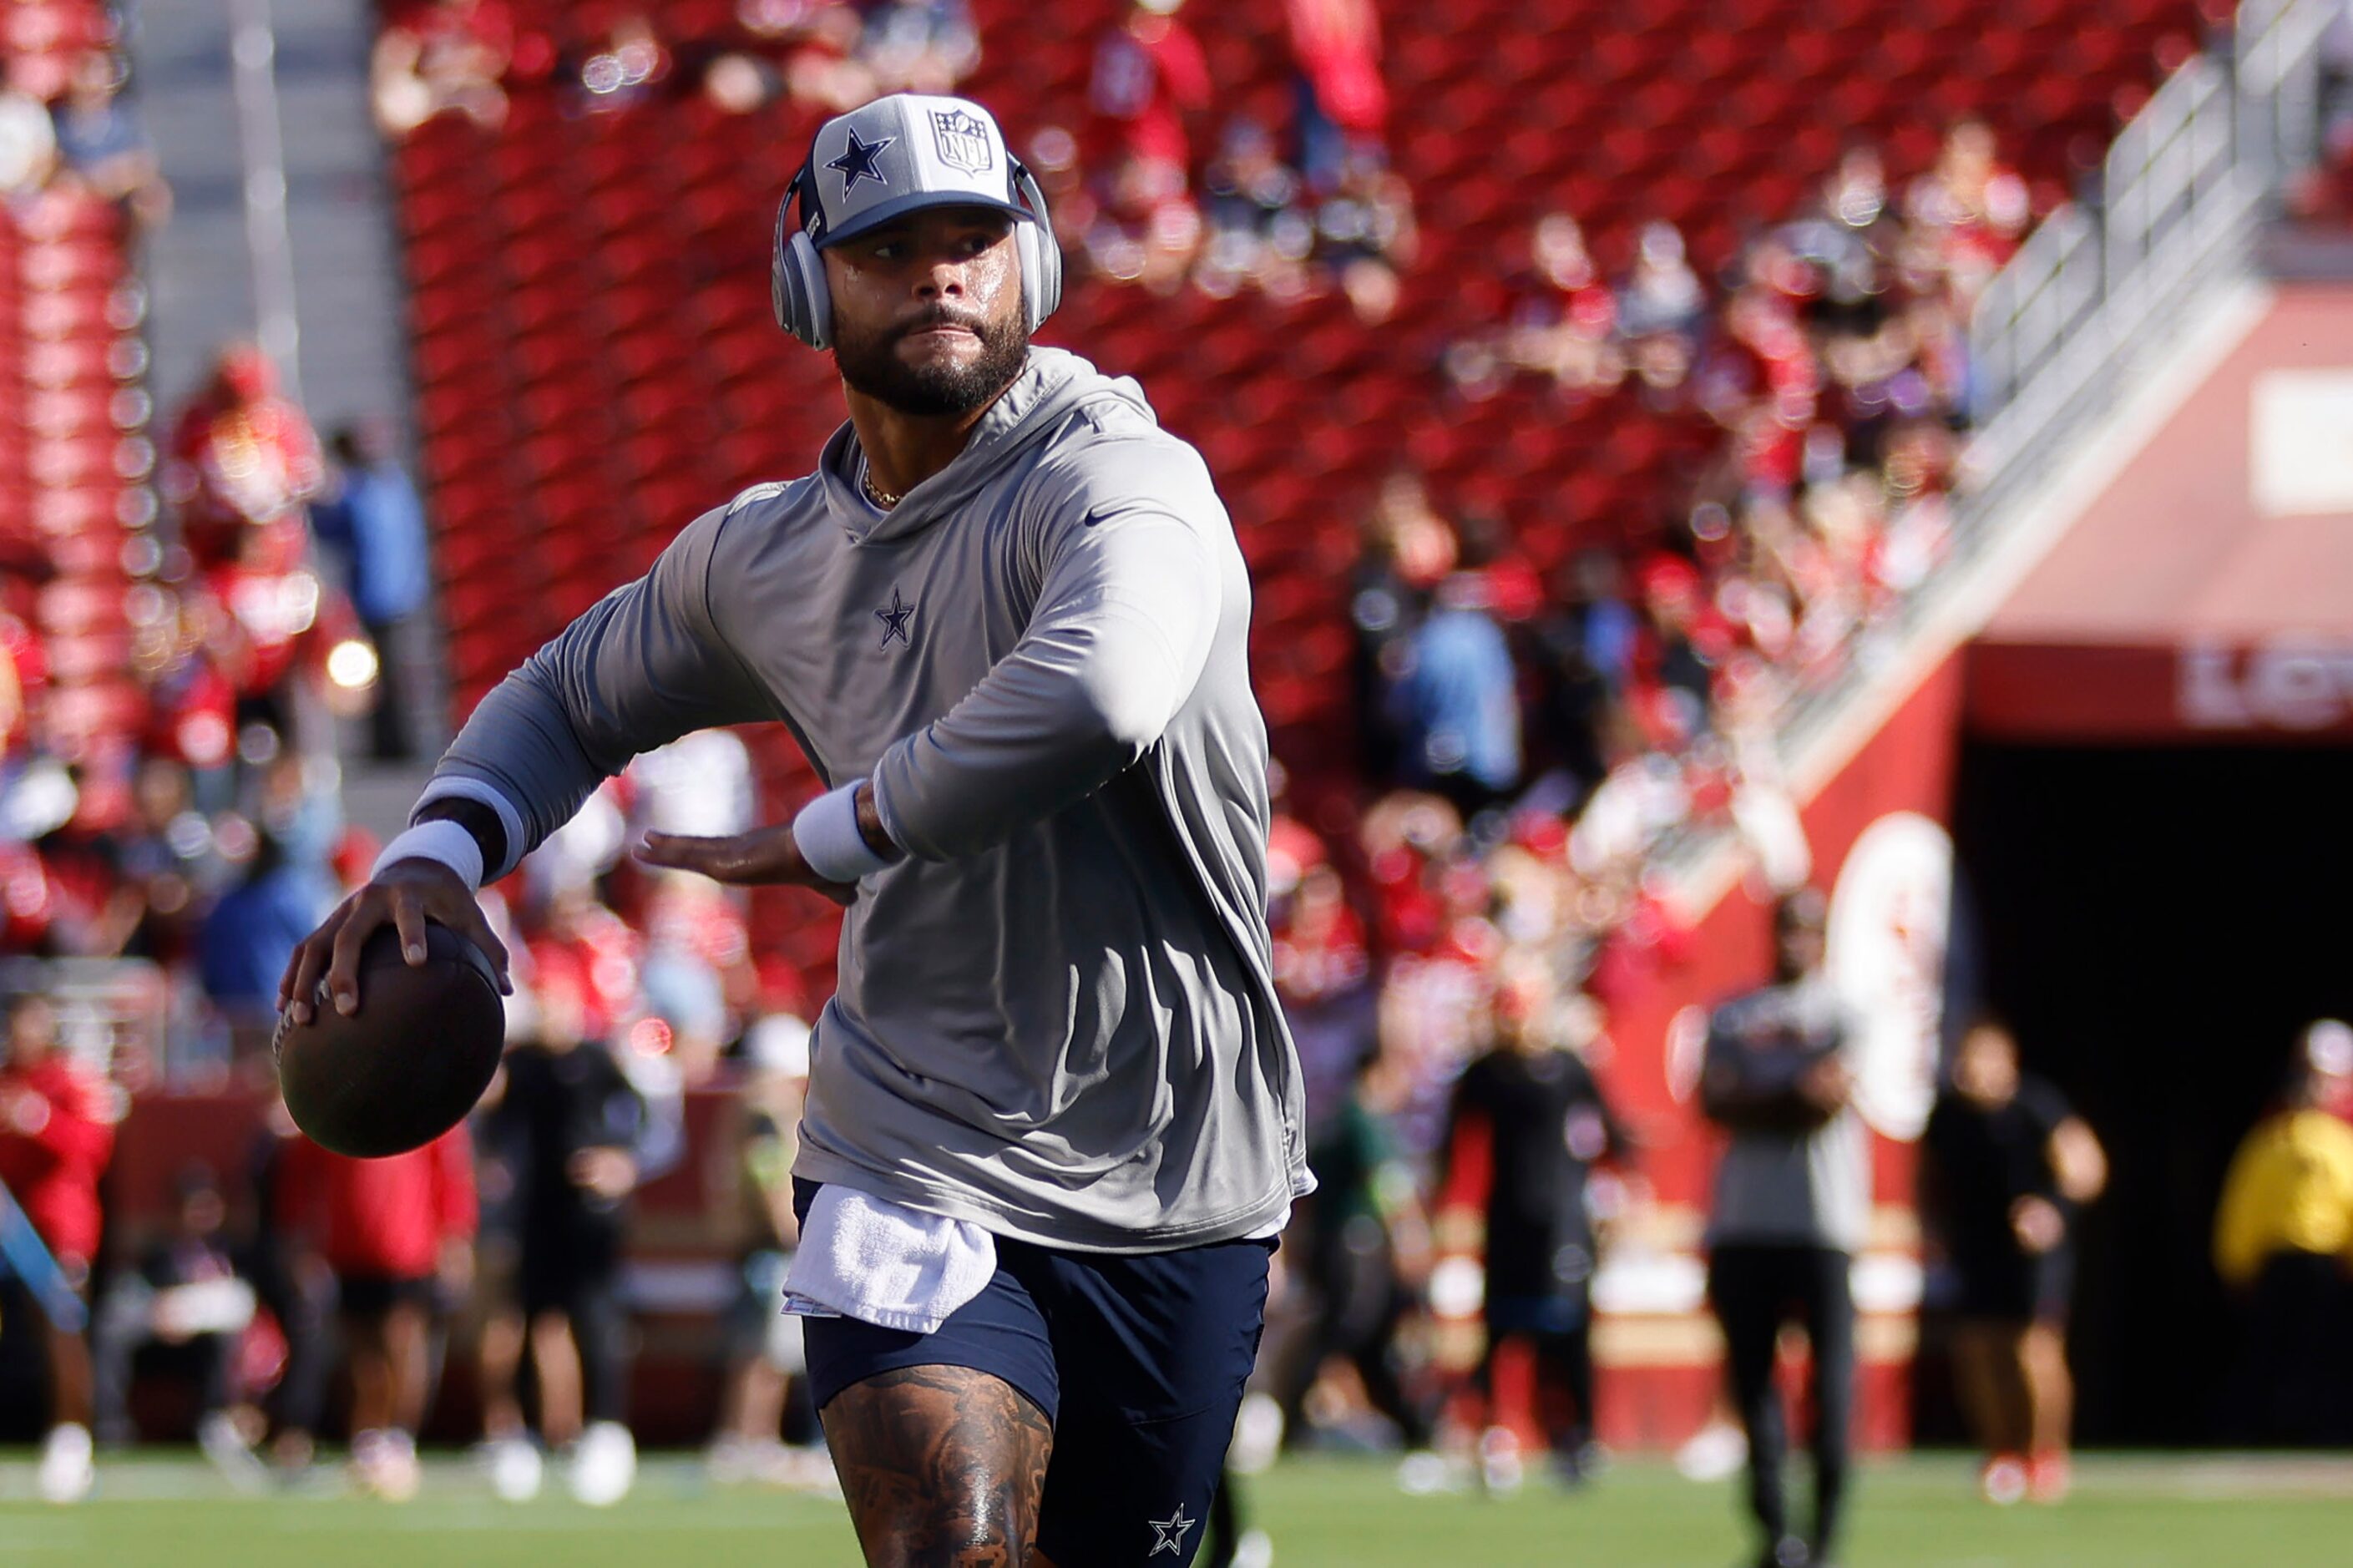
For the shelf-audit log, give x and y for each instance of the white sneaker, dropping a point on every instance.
(1424, 1474)
(604, 1464)
(513, 1466)
(67, 1472)
(1258, 1435)
(1255, 1549)
(383, 1464)
(1714, 1453)
(224, 1446)
(1501, 1471)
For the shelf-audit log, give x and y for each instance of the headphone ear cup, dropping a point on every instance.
(804, 306)
(1041, 258)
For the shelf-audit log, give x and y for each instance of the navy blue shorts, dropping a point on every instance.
(1138, 1360)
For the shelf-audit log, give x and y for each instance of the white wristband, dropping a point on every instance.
(825, 832)
(439, 840)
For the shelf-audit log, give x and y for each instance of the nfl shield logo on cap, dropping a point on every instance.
(902, 152)
(964, 140)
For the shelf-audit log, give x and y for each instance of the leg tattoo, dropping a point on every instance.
(941, 1467)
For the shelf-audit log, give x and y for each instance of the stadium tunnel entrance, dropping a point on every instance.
(2158, 923)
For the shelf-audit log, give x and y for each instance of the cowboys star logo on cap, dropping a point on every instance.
(859, 162)
(963, 140)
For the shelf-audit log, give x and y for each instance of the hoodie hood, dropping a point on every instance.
(1053, 384)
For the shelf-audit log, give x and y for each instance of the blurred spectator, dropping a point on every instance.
(28, 142)
(255, 927)
(1368, 1250)
(444, 57)
(370, 514)
(1456, 699)
(1403, 548)
(100, 143)
(297, 1287)
(572, 1131)
(1528, 1123)
(1365, 233)
(1342, 103)
(2283, 1243)
(1260, 236)
(752, 1165)
(1793, 1208)
(2007, 1163)
(1661, 306)
(242, 459)
(56, 1136)
(182, 1308)
(1149, 74)
(1970, 210)
(391, 1230)
(1561, 322)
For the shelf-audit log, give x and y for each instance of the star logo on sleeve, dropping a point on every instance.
(859, 162)
(894, 619)
(1170, 1533)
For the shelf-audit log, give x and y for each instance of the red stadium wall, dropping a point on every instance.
(1659, 1367)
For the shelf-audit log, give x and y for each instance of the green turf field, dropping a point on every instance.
(1917, 1513)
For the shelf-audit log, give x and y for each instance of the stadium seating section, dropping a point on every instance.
(596, 364)
(73, 457)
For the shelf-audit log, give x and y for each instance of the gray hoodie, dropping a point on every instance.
(1056, 1015)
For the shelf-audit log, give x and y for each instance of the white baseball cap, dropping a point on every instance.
(901, 153)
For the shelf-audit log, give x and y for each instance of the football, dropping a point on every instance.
(410, 1063)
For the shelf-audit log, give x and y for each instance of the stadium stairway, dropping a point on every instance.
(351, 360)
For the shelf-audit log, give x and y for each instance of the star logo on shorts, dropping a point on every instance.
(894, 619)
(1170, 1533)
(858, 163)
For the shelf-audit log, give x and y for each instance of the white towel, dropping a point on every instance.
(884, 1263)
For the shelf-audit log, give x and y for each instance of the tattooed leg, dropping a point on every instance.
(941, 1467)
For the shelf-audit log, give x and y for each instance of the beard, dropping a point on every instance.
(870, 365)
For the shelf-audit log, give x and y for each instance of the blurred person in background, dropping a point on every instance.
(2282, 1239)
(1529, 1125)
(1367, 1246)
(1458, 700)
(394, 1231)
(297, 1287)
(1342, 103)
(2008, 1164)
(371, 517)
(242, 950)
(56, 1136)
(572, 1128)
(242, 457)
(765, 1355)
(1793, 1208)
(182, 1309)
(99, 141)
(443, 58)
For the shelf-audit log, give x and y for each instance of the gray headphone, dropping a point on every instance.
(796, 272)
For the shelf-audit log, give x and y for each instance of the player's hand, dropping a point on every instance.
(1827, 1086)
(454, 1268)
(608, 1173)
(764, 855)
(2038, 1224)
(407, 894)
(24, 1111)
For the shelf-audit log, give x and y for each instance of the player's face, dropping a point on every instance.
(927, 315)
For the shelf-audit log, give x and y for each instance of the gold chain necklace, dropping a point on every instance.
(875, 492)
